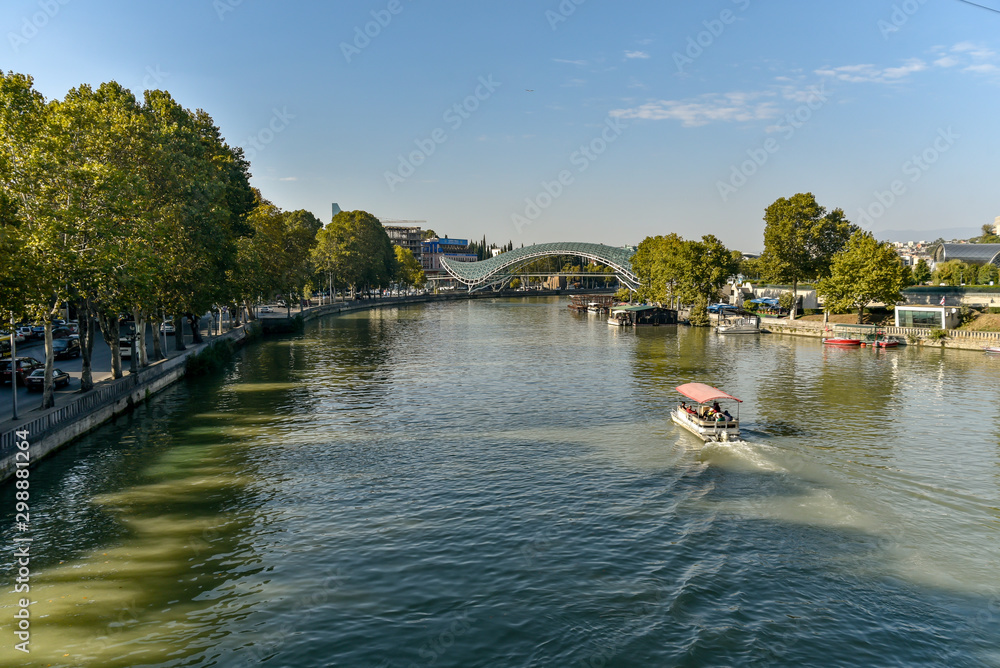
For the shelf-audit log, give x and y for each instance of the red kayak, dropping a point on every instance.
(842, 341)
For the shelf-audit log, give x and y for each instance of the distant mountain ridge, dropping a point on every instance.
(929, 235)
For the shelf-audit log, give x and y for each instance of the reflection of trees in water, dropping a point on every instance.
(145, 507)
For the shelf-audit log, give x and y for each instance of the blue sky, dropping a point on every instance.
(597, 121)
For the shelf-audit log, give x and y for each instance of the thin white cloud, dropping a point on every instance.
(872, 74)
(570, 62)
(946, 61)
(705, 109)
(982, 68)
(289, 178)
(636, 54)
(575, 83)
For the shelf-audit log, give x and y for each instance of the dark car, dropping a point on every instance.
(66, 348)
(25, 365)
(61, 332)
(36, 380)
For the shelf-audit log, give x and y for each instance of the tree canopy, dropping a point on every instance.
(866, 271)
(800, 240)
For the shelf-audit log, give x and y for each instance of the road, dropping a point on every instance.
(100, 366)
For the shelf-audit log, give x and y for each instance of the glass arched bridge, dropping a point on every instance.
(498, 270)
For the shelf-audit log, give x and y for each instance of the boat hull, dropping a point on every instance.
(707, 430)
(845, 343)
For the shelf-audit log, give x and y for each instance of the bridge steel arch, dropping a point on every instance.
(498, 269)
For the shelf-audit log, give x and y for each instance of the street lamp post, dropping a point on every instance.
(13, 363)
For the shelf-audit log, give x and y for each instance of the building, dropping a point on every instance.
(432, 250)
(943, 317)
(969, 253)
(408, 236)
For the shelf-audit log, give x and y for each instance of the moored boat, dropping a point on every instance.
(992, 349)
(707, 419)
(745, 325)
(842, 341)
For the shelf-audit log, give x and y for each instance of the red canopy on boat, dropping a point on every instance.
(702, 393)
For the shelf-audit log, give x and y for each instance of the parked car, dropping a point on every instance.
(66, 348)
(61, 332)
(38, 331)
(24, 366)
(36, 379)
(26, 332)
(167, 327)
(266, 309)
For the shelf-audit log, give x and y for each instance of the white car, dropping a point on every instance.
(266, 309)
(167, 327)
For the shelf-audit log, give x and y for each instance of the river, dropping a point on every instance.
(498, 483)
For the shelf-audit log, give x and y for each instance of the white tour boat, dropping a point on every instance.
(706, 417)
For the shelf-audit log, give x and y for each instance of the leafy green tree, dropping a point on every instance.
(989, 236)
(408, 270)
(705, 266)
(657, 263)
(800, 240)
(921, 272)
(988, 272)
(357, 249)
(866, 271)
(953, 272)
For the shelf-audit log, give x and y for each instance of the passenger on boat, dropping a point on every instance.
(729, 418)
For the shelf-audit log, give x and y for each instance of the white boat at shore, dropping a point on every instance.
(707, 418)
(744, 325)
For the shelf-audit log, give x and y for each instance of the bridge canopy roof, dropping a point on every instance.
(491, 270)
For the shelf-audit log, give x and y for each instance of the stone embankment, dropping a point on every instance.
(958, 339)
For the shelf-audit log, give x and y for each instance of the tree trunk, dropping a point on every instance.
(179, 334)
(108, 320)
(140, 334)
(86, 318)
(861, 314)
(48, 393)
(251, 316)
(194, 323)
(157, 348)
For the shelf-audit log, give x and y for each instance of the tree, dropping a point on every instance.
(800, 240)
(989, 236)
(953, 272)
(356, 248)
(921, 272)
(988, 273)
(705, 266)
(408, 270)
(866, 271)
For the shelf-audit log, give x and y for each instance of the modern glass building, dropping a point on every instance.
(971, 253)
(945, 317)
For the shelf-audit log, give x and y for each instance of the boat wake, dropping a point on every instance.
(741, 456)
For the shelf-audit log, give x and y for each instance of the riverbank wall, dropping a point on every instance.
(957, 339)
(46, 432)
